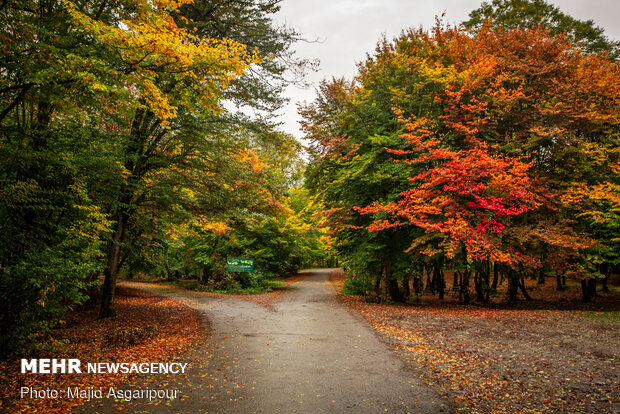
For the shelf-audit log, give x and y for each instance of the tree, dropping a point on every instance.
(509, 14)
(108, 112)
(519, 105)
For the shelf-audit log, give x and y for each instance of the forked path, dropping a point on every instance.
(309, 355)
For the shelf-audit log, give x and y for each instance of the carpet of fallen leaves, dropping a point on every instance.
(494, 360)
(147, 328)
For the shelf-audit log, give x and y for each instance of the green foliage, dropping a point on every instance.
(530, 13)
(503, 106)
(52, 235)
(357, 285)
(115, 154)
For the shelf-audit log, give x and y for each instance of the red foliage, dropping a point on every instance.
(466, 195)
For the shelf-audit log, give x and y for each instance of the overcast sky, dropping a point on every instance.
(348, 29)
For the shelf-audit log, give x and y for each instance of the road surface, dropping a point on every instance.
(308, 355)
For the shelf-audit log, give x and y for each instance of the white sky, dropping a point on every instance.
(348, 29)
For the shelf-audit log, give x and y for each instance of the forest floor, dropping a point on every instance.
(146, 328)
(556, 355)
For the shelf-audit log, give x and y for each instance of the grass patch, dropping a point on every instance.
(191, 284)
(610, 317)
(267, 286)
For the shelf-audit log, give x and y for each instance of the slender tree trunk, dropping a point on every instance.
(558, 281)
(429, 282)
(111, 270)
(605, 270)
(135, 164)
(392, 284)
(495, 275)
(418, 282)
(378, 284)
(585, 292)
(478, 283)
(592, 287)
(541, 272)
(406, 289)
(487, 281)
(439, 281)
(513, 286)
(522, 287)
(604, 286)
(386, 281)
(464, 290)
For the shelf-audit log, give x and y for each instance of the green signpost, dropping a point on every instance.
(235, 264)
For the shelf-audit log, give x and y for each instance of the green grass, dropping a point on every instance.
(577, 284)
(266, 287)
(609, 317)
(191, 284)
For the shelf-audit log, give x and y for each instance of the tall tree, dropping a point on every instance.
(509, 14)
(499, 104)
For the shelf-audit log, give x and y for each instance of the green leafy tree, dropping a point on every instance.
(509, 14)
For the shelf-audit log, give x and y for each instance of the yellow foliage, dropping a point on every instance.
(217, 227)
(149, 43)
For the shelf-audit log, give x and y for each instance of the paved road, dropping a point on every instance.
(309, 355)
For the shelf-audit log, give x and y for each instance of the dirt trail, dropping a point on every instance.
(310, 355)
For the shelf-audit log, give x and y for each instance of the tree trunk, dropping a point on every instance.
(478, 286)
(392, 284)
(439, 281)
(135, 164)
(111, 270)
(522, 287)
(605, 270)
(585, 292)
(513, 286)
(429, 282)
(543, 259)
(394, 290)
(378, 284)
(592, 287)
(495, 276)
(418, 282)
(406, 289)
(464, 290)
(558, 281)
